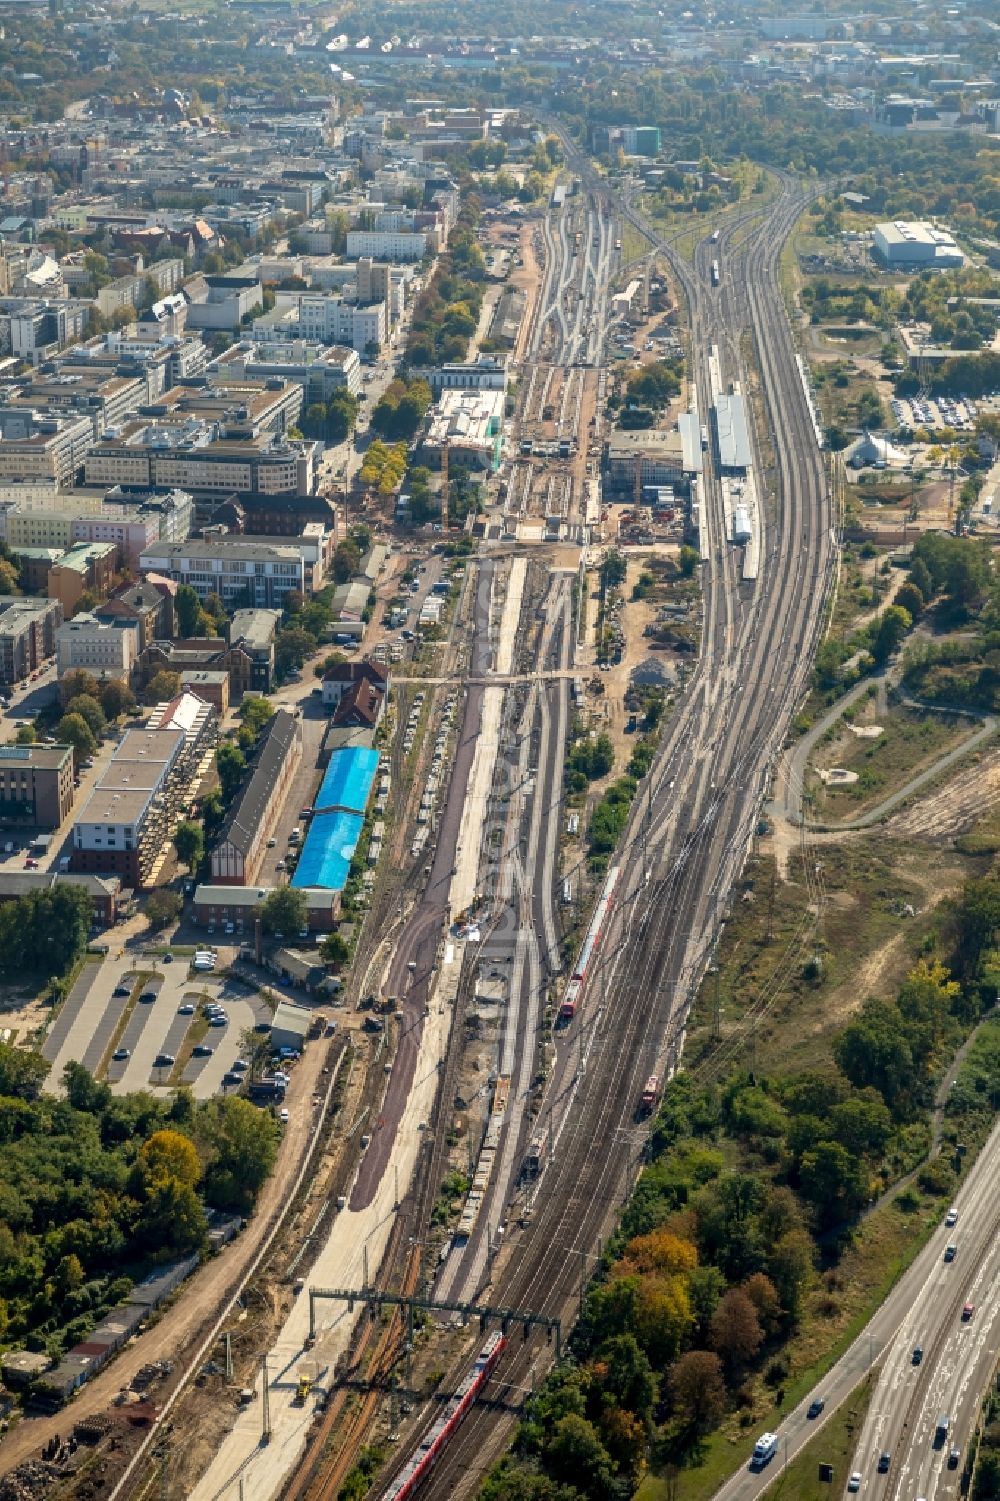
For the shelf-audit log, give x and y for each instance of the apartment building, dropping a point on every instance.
(36, 785)
(36, 447)
(87, 568)
(28, 630)
(131, 813)
(108, 398)
(241, 572)
(389, 245)
(108, 648)
(253, 632)
(242, 843)
(148, 610)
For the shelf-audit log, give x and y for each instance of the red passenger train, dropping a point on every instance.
(423, 1459)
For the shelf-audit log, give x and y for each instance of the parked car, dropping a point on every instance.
(147, 997)
(120, 1055)
(202, 1050)
(164, 1060)
(122, 992)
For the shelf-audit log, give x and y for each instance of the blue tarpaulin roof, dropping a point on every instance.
(326, 855)
(348, 780)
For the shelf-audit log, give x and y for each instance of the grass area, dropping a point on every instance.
(634, 243)
(984, 836)
(774, 933)
(910, 741)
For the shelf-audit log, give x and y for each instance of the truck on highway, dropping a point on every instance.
(764, 1451)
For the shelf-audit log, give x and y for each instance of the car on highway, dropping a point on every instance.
(121, 991)
(884, 1461)
(120, 1055)
(816, 1407)
(951, 1218)
(954, 1455)
(854, 1484)
(186, 1010)
(967, 1312)
(949, 1252)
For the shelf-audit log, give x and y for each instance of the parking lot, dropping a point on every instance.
(167, 1038)
(943, 412)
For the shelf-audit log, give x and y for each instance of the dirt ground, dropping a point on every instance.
(526, 278)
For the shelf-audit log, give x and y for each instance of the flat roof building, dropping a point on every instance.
(732, 434)
(36, 785)
(915, 243)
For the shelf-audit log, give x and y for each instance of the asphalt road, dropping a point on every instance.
(924, 1308)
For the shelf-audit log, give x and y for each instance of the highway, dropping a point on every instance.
(925, 1309)
(688, 835)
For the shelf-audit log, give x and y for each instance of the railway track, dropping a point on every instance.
(708, 780)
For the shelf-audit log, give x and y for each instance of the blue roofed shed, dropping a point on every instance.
(347, 785)
(326, 855)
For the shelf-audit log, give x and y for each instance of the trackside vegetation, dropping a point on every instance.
(751, 1199)
(96, 1188)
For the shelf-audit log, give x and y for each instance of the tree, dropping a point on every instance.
(688, 560)
(763, 1295)
(892, 627)
(26, 735)
(284, 911)
(162, 907)
(188, 609)
(22, 1073)
(168, 1154)
(256, 712)
(163, 687)
(920, 577)
(230, 763)
(189, 842)
(873, 1050)
(291, 647)
(735, 1330)
(909, 598)
(74, 731)
(627, 1375)
(334, 951)
(90, 711)
(698, 1390)
(576, 1456)
(346, 560)
(76, 682)
(834, 1181)
(116, 698)
(241, 1143)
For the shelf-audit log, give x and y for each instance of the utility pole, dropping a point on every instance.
(265, 1427)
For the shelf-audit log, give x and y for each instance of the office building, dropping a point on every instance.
(243, 573)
